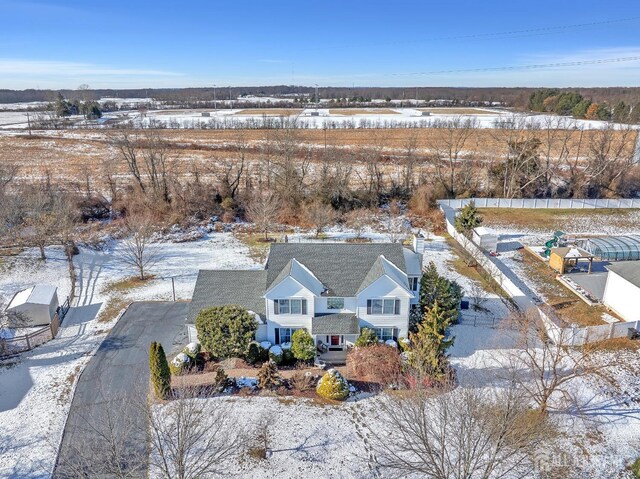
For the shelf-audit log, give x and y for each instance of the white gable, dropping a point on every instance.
(395, 273)
(305, 277)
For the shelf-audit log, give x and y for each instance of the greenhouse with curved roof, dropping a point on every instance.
(613, 248)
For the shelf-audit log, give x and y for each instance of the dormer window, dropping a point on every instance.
(290, 306)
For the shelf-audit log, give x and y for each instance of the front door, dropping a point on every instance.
(334, 342)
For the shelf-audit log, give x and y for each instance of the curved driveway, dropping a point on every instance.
(106, 402)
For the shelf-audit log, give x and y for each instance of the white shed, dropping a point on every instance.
(485, 238)
(622, 289)
(37, 305)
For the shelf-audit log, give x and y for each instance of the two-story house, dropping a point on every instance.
(331, 290)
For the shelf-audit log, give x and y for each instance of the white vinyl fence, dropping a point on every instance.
(568, 336)
(544, 203)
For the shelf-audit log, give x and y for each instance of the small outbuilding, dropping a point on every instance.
(35, 306)
(566, 258)
(485, 238)
(622, 289)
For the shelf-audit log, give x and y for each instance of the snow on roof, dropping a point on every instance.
(42, 294)
(38, 294)
(20, 298)
(484, 231)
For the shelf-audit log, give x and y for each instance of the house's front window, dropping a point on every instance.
(335, 303)
(290, 306)
(283, 335)
(385, 334)
(383, 306)
(413, 284)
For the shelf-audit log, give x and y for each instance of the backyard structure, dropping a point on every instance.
(331, 290)
(613, 248)
(35, 306)
(566, 258)
(485, 238)
(622, 289)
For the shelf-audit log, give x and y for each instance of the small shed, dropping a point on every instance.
(485, 238)
(566, 258)
(35, 306)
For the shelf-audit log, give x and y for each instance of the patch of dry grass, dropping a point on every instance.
(112, 309)
(127, 284)
(554, 219)
(475, 273)
(618, 344)
(566, 304)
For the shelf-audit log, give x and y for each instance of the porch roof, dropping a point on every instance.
(337, 323)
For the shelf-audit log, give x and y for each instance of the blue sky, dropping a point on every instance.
(129, 44)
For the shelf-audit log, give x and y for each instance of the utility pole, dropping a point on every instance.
(173, 287)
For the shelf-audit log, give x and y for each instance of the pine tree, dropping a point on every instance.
(438, 289)
(160, 373)
(268, 376)
(468, 218)
(428, 345)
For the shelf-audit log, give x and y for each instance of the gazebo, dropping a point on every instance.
(567, 257)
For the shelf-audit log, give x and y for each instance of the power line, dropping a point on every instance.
(525, 67)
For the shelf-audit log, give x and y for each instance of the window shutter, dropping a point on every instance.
(368, 306)
(304, 306)
(397, 306)
(277, 335)
(276, 309)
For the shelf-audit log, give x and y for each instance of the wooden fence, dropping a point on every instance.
(20, 344)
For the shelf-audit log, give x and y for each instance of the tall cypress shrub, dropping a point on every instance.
(160, 373)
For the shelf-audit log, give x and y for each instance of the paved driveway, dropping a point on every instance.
(111, 387)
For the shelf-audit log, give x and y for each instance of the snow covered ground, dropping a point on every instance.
(36, 388)
(307, 439)
(330, 119)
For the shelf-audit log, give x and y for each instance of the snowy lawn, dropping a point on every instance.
(37, 387)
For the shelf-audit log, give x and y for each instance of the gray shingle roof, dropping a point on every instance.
(341, 267)
(629, 270)
(338, 323)
(220, 287)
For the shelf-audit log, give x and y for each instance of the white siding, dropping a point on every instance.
(622, 296)
(288, 289)
(385, 288)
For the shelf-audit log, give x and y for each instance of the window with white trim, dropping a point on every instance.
(383, 306)
(290, 306)
(283, 335)
(335, 303)
(413, 284)
(384, 334)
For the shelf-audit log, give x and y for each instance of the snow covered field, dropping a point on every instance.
(328, 119)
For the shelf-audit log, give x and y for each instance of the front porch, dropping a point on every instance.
(333, 358)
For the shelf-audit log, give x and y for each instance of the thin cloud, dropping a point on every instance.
(62, 68)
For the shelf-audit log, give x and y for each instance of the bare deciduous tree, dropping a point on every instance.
(263, 210)
(465, 433)
(191, 439)
(546, 369)
(137, 249)
(319, 215)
